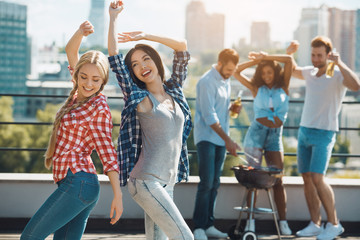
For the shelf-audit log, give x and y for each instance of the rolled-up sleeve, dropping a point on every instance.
(100, 133)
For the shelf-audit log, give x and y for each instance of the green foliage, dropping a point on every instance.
(40, 135)
(341, 146)
(12, 136)
(202, 63)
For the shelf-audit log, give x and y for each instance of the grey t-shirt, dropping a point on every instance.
(161, 133)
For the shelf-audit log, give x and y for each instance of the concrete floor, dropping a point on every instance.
(138, 236)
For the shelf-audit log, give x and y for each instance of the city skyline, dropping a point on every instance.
(64, 17)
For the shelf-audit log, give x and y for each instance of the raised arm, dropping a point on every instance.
(288, 61)
(114, 9)
(244, 80)
(176, 45)
(292, 48)
(73, 46)
(351, 80)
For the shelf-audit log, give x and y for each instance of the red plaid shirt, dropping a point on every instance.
(82, 130)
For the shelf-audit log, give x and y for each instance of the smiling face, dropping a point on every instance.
(89, 81)
(144, 67)
(319, 56)
(267, 75)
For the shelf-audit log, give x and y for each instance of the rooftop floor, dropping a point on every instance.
(138, 236)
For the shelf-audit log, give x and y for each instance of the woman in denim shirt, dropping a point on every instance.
(154, 127)
(270, 88)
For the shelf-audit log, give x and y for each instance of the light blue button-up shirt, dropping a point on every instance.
(212, 106)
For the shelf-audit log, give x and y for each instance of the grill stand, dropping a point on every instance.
(252, 211)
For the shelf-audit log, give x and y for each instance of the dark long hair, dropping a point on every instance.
(154, 55)
(278, 74)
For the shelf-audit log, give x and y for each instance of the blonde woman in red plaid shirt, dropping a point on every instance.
(82, 124)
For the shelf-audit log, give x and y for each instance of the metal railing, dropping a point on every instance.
(4, 148)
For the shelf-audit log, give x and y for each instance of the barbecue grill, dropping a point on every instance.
(254, 178)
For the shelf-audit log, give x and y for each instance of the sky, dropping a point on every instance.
(57, 20)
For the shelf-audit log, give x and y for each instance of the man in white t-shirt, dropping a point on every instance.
(316, 137)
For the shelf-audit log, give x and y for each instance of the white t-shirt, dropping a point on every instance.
(323, 99)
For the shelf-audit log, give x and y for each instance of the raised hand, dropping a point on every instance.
(130, 36)
(115, 8)
(335, 57)
(293, 47)
(257, 55)
(86, 28)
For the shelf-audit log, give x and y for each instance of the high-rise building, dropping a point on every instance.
(97, 19)
(260, 35)
(13, 52)
(313, 22)
(342, 33)
(357, 41)
(203, 31)
(337, 24)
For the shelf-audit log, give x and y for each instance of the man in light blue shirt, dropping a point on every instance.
(211, 134)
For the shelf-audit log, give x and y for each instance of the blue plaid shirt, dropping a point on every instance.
(129, 141)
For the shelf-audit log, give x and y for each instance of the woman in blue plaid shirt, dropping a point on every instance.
(155, 124)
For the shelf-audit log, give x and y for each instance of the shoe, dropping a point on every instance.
(284, 228)
(331, 231)
(199, 234)
(212, 232)
(250, 225)
(311, 230)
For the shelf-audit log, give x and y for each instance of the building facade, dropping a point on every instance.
(204, 31)
(260, 35)
(97, 19)
(337, 24)
(14, 50)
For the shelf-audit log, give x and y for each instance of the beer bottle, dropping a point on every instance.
(330, 67)
(236, 106)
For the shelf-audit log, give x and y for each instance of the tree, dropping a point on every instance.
(341, 146)
(40, 135)
(14, 136)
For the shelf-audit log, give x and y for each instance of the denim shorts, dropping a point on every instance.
(262, 137)
(314, 149)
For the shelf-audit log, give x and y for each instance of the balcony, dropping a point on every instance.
(23, 193)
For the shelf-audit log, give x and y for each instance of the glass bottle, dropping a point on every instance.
(330, 67)
(236, 106)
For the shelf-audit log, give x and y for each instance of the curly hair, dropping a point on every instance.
(258, 81)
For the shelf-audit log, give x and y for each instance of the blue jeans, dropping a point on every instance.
(66, 211)
(211, 162)
(162, 217)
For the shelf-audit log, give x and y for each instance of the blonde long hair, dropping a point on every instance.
(101, 62)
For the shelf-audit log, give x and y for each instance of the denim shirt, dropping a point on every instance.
(212, 106)
(280, 101)
(129, 141)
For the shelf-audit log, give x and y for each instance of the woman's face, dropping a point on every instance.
(89, 81)
(267, 75)
(144, 67)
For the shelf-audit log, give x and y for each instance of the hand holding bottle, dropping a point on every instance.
(333, 60)
(236, 106)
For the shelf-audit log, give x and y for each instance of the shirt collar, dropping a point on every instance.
(217, 75)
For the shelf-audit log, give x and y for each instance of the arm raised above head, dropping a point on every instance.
(73, 46)
(176, 45)
(291, 49)
(242, 78)
(114, 9)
